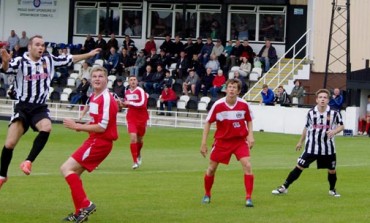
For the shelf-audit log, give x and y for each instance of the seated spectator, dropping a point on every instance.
(84, 73)
(281, 97)
(198, 45)
(190, 83)
(168, 98)
(125, 62)
(153, 86)
(163, 59)
(245, 67)
(129, 45)
(244, 88)
(102, 44)
(139, 64)
(297, 93)
(267, 95)
(88, 45)
(178, 47)
(194, 64)
(365, 119)
(168, 46)
(206, 82)
(113, 60)
(213, 64)
(149, 45)
(218, 48)
(167, 80)
(189, 48)
(235, 54)
(181, 66)
(217, 84)
(247, 51)
(81, 93)
(147, 77)
(112, 42)
(119, 88)
(152, 59)
(336, 100)
(267, 55)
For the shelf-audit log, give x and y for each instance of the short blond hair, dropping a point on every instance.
(326, 91)
(100, 68)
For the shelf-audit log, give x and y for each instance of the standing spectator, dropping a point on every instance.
(23, 42)
(129, 45)
(190, 83)
(206, 51)
(267, 95)
(102, 129)
(168, 98)
(30, 109)
(102, 44)
(297, 93)
(365, 118)
(12, 40)
(89, 44)
(149, 45)
(336, 101)
(322, 124)
(137, 116)
(112, 42)
(217, 84)
(267, 55)
(234, 135)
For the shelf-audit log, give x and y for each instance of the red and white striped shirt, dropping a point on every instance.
(137, 111)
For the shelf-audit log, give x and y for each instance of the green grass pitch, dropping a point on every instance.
(168, 187)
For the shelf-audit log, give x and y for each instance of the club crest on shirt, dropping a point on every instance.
(239, 115)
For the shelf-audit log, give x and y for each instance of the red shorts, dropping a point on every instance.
(92, 152)
(138, 128)
(222, 151)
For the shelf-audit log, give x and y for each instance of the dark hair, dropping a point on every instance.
(234, 81)
(34, 37)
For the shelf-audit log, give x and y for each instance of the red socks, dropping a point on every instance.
(79, 197)
(248, 183)
(208, 182)
(367, 127)
(139, 146)
(134, 151)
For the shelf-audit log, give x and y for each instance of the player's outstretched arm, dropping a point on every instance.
(78, 57)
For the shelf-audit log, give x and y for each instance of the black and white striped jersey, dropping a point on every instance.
(33, 79)
(317, 141)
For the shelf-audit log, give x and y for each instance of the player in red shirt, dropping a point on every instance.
(102, 129)
(234, 135)
(137, 116)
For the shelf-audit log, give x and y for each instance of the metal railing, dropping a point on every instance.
(278, 76)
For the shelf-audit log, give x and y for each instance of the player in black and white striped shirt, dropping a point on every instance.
(323, 123)
(33, 71)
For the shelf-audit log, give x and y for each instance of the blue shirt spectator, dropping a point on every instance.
(267, 95)
(336, 101)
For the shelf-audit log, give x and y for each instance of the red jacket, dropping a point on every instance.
(170, 95)
(218, 81)
(149, 46)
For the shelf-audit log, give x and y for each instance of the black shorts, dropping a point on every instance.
(29, 114)
(323, 161)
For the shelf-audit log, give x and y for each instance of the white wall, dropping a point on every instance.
(50, 19)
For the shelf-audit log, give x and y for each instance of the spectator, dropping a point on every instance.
(235, 54)
(167, 80)
(242, 29)
(178, 47)
(297, 93)
(267, 95)
(139, 64)
(125, 62)
(168, 98)
(247, 51)
(267, 55)
(113, 60)
(217, 84)
(149, 45)
(112, 42)
(168, 46)
(194, 64)
(365, 119)
(189, 48)
(244, 88)
(84, 73)
(129, 45)
(245, 67)
(16, 52)
(81, 93)
(206, 82)
(147, 77)
(119, 88)
(102, 44)
(89, 44)
(181, 66)
(190, 83)
(137, 27)
(336, 100)
(268, 28)
(127, 26)
(153, 86)
(282, 98)
(206, 51)
(152, 59)
(23, 42)
(218, 48)
(12, 40)
(225, 56)
(163, 59)
(198, 46)
(213, 64)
